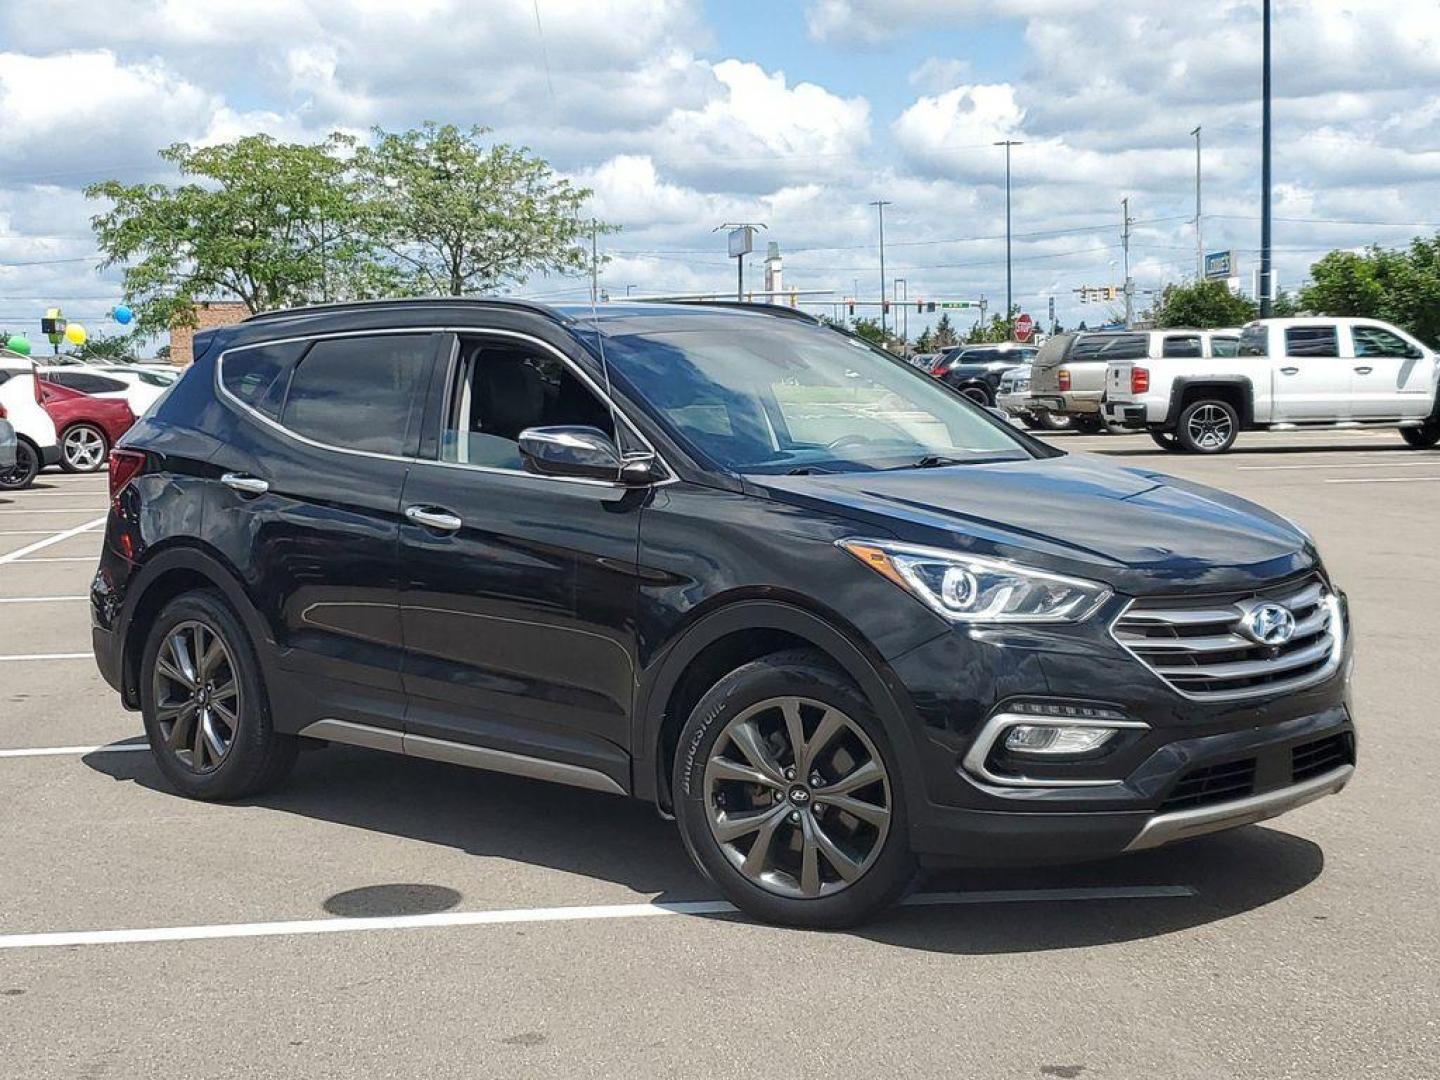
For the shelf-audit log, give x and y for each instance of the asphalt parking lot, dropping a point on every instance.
(393, 917)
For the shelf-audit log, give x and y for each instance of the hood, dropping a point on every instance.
(1139, 531)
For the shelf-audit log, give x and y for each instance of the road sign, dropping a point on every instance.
(1024, 327)
(742, 241)
(958, 304)
(1219, 265)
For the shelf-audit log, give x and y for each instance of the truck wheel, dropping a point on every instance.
(1423, 437)
(1165, 440)
(1208, 426)
(1053, 421)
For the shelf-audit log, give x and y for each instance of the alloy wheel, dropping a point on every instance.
(797, 797)
(84, 448)
(1209, 427)
(197, 696)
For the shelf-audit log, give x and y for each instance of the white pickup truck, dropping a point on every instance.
(1289, 374)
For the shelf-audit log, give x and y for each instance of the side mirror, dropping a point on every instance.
(579, 451)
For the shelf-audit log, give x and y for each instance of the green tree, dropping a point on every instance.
(945, 335)
(116, 348)
(869, 329)
(925, 342)
(1402, 287)
(1204, 305)
(270, 224)
(457, 216)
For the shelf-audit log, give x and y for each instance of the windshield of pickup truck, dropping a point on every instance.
(799, 399)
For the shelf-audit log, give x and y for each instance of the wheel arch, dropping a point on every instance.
(1236, 390)
(736, 633)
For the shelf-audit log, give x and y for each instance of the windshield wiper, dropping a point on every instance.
(809, 470)
(935, 461)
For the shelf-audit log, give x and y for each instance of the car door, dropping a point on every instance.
(1311, 379)
(305, 498)
(519, 590)
(1390, 380)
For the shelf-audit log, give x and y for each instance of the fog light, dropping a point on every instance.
(1056, 739)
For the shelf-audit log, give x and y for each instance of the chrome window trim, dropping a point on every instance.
(979, 752)
(221, 392)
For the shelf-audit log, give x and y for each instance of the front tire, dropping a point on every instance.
(22, 474)
(84, 448)
(1165, 440)
(1208, 426)
(789, 798)
(206, 711)
(1423, 437)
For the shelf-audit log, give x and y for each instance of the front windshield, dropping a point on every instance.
(798, 399)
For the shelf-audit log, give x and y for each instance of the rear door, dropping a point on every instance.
(306, 502)
(1311, 378)
(1391, 380)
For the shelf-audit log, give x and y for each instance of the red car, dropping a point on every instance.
(86, 426)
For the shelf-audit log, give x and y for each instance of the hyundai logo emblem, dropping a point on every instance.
(1269, 624)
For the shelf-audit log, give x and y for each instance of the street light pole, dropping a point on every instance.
(1199, 236)
(1266, 303)
(880, 205)
(1009, 286)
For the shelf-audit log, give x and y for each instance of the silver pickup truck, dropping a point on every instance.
(1067, 378)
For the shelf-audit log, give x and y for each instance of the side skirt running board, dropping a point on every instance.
(475, 757)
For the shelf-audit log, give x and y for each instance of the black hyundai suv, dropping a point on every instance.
(834, 617)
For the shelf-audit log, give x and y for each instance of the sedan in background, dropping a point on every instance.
(87, 426)
(139, 387)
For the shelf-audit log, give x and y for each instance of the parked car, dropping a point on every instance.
(719, 558)
(1013, 398)
(36, 443)
(139, 388)
(1289, 374)
(975, 370)
(87, 426)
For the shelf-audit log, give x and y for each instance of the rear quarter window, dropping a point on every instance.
(357, 393)
(256, 376)
(1254, 341)
(1312, 341)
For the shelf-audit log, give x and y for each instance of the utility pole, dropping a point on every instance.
(1266, 304)
(1125, 248)
(594, 265)
(880, 205)
(1199, 235)
(1009, 288)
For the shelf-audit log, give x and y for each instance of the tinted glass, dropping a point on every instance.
(1109, 347)
(1312, 341)
(981, 356)
(356, 392)
(1181, 345)
(1377, 341)
(257, 376)
(5, 377)
(1224, 346)
(500, 390)
(87, 384)
(1254, 341)
(799, 399)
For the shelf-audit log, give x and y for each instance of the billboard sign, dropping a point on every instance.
(742, 241)
(1219, 265)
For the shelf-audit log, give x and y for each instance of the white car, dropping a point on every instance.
(1288, 374)
(36, 445)
(140, 387)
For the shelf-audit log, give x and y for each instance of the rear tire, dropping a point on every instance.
(22, 474)
(1166, 440)
(1208, 426)
(84, 448)
(207, 714)
(833, 854)
(1423, 437)
(1054, 421)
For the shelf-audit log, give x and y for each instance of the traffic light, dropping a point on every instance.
(852, 308)
(885, 306)
(919, 307)
(1111, 292)
(930, 307)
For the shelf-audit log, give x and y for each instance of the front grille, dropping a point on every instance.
(1321, 756)
(1198, 646)
(1212, 784)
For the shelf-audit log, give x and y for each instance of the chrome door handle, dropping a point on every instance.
(246, 485)
(1289, 371)
(432, 518)
(1363, 370)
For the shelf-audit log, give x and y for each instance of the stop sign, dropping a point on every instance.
(1024, 327)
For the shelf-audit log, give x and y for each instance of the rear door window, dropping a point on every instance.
(1224, 346)
(257, 376)
(1255, 341)
(1181, 345)
(1312, 341)
(358, 393)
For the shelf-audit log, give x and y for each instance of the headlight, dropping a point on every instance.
(965, 588)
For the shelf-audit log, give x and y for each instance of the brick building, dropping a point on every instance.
(208, 313)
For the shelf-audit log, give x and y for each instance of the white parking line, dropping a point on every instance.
(20, 553)
(1388, 480)
(60, 558)
(1341, 465)
(595, 912)
(38, 599)
(35, 510)
(19, 657)
(73, 751)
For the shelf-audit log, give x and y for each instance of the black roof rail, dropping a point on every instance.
(342, 306)
(779, 311)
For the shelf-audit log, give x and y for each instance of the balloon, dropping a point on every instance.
(75, 334)
(18, 344)
(123, 315)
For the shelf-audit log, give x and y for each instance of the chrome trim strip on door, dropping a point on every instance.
(474, 757)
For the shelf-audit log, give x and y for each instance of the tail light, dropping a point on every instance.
(1139, 380)
(3, 413)
(125, 465)
(1064, 377)
(939, 366)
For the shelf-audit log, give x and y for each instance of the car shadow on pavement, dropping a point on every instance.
(626, 842)
(1149, 449)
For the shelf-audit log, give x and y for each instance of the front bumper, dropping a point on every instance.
(1014, 404)
(49, 455)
